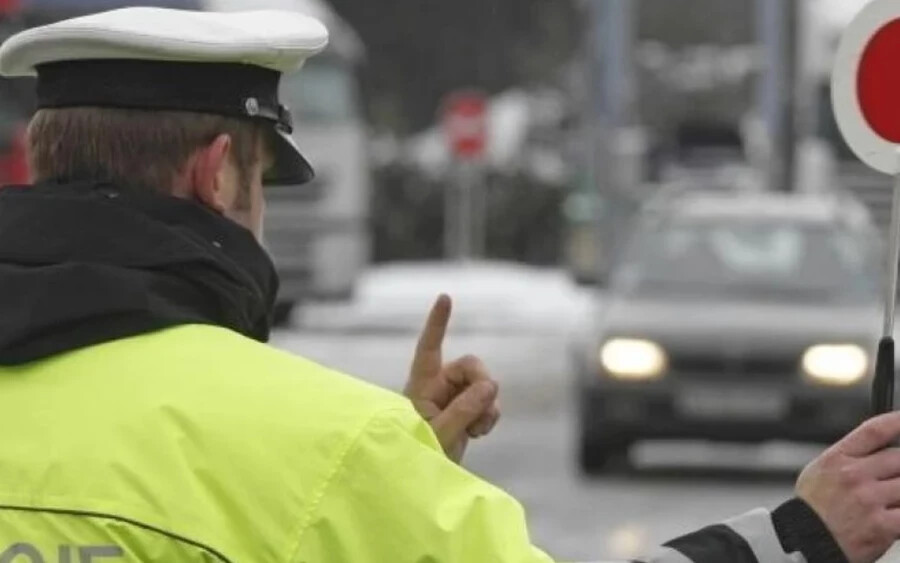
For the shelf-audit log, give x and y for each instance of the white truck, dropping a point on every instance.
(318, 234)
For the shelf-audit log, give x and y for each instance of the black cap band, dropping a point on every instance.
(229, 89)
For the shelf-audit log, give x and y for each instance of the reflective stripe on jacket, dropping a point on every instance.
(750, 538)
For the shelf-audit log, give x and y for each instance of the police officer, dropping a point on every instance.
(142, 417)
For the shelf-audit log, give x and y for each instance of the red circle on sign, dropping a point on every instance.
(878, 82)
(465, 124)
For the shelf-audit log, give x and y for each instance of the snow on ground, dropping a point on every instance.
(488, 297)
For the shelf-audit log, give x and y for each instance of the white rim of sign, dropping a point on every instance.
(869, 146)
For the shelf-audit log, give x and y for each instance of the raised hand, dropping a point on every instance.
(458, 399)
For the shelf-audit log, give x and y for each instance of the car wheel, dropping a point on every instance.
(281, 316)
(598, 455)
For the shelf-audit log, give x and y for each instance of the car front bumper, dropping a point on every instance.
(796, 412)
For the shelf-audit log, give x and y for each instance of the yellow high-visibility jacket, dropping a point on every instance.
(123, 442)
(197, 444)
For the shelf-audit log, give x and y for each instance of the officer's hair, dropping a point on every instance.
(145, 149)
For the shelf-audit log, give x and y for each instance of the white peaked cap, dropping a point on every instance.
(273, 39)
(164, 59)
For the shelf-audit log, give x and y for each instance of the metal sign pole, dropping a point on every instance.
(771, 87)
(464, 115)
(450, 220)
(883, 385)
(479, 210)
(465, 185)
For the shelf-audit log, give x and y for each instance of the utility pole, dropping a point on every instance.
(612, 92)
(777, 23)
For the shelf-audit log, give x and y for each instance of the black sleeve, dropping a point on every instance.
(799, 528)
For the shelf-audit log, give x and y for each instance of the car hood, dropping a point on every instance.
(768, 325)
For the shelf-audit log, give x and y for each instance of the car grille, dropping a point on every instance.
(724, 366)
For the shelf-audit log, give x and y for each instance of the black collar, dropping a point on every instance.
(82, 264)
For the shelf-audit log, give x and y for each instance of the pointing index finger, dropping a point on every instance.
(432, 337)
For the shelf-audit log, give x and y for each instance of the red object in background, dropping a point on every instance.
(14, 163)
(878, 82)
(465, 124)
(9, 6)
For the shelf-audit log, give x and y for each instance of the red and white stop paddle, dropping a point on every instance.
(865, 92)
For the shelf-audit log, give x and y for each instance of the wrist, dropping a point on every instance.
(799, 528)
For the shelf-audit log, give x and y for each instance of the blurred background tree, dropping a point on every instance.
(421, 49)
(418, 51)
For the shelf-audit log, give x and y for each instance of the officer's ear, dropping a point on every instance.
(211, 175)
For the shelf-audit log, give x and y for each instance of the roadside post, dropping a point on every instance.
(465, 205)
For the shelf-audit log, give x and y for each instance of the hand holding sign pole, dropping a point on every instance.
(865, 91)
(883, 384)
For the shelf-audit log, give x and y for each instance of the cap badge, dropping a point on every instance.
(252, 106)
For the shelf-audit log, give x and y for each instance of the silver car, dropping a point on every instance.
(734, 317)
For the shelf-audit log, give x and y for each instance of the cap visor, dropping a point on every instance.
(290, 167)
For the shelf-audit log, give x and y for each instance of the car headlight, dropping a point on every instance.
(836, 364)
(633, 359)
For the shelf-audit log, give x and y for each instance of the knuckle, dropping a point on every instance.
(849, 476)
(894, 461)
(471, 362)
(829, 459)
(471, 401)
(876, 431)
(891, 525)
(468, 409)
(887, 464)
(883, 526)
(867, 498)
(832, 465)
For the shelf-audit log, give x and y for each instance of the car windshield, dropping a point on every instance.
(751, 258)
(323, 92)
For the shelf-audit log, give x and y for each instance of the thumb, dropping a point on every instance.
(468, 407)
